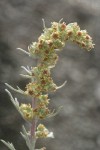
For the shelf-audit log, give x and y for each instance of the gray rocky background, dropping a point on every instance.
(77, 126)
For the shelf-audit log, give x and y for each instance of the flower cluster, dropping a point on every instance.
(55, 38)
(45, 49)
(43, 132)
(52, 40)
(42, 81)
(27, 111)
(41, 111)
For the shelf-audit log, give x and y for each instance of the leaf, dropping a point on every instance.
(16, 90)
(14, 101)
(23, 51)
(26, 138)
(9, 145)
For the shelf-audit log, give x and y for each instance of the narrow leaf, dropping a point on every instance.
(9, 145)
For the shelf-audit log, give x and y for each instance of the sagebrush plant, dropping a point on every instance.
(51, 41)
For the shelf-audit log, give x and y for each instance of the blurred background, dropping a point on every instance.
(77, 126)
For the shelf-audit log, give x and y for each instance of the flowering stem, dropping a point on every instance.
(33, 127)
(52, 40)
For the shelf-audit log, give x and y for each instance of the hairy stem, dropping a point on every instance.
(33, 127)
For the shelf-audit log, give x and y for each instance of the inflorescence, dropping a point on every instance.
(51, 41)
